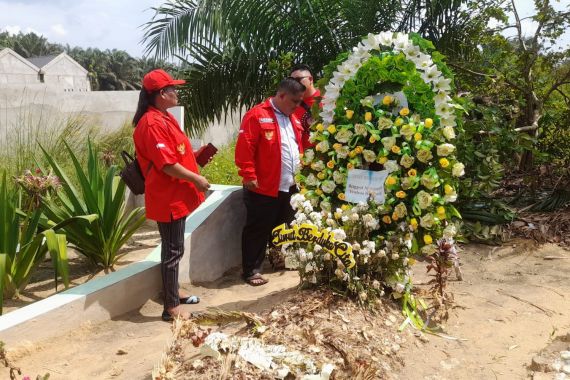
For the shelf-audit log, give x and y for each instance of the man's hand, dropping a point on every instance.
(250, 185)
(201, 183)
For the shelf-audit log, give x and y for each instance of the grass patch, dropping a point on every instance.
(222, 169)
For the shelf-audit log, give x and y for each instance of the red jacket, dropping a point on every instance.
(158, 139)
(258, 148)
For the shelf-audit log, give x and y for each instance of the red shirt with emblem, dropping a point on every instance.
(159, 142)
(258, 148)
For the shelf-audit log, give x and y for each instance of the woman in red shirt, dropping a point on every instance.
(173, 186)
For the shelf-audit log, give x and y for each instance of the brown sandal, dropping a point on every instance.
(256, 280)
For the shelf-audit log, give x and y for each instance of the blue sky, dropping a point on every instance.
(116, 24)
(104, 24)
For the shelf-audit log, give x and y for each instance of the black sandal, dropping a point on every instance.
(256, 280)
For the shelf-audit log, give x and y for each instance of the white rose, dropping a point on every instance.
(309, 155)
(449, 132)
(449, 232)
(328, 186)
(311, 180)
(338, 177)
(391, 166)
(445, 149)
(318, 166)
(360, 129)
(424, 199)
(407, 161)
(343, 135)
(343, 152)
(458, 169)
(427, 221)
(388, 142)
(323, 146)
(369, 155)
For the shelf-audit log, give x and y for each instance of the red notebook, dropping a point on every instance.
(204, 154)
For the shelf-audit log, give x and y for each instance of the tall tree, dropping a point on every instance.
(229, 44)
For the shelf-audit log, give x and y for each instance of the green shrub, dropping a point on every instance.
(100, 193)
(23, 247)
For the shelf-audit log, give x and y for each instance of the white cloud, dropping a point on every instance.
(59, 29)
(15, 29)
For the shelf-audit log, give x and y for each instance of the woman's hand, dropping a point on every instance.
(201, 183)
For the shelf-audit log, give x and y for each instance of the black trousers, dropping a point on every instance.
(263, 214)
(172, 236)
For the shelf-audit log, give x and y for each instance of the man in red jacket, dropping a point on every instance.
(302, 73)
(267, 154)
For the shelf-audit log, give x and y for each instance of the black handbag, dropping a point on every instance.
(132, 174)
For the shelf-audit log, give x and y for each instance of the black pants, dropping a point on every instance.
(172, 236)
(263, 214)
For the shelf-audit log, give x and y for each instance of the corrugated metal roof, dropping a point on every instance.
(42, 60)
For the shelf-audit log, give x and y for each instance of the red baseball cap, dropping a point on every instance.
(157, 79)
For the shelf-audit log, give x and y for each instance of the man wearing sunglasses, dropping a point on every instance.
(302, 74)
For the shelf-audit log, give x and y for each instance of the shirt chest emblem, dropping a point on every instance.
(263, 120)
(181, 149)
(269, 135)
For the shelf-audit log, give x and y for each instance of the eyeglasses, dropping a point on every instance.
(170, 89)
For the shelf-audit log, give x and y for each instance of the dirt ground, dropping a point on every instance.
(513, 302)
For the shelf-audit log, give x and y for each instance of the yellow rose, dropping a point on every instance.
(441, 212)
(330, 164)
(428, 239)
(405, 111)
(319, 192)
(399, 121)
(387, 100)
(391, 181)
(320, 127)
(382, 160)
(368, 116)
(372, 139)
(343, 207)
(444, 162)
(395, 149)
(321, 175)
(331, 128)
(413, 223)
(352, 153)
(341, 196)
(337, 146)
(395, 216)
(349, 165)
(349, 114)
(386, 219)
(401, 194)
(418, 136)
(303, 191)
(448, 189)
(358, 149)
(412, 172)
(428, 123)
(337, 215)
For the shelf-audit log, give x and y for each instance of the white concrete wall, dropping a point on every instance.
(64, 75)
(13, 71)
(108, 110)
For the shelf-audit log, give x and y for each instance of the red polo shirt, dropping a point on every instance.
(158, 139)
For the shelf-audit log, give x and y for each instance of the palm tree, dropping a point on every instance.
(227, 45)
